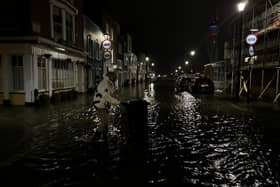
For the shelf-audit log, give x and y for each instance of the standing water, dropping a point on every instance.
(191, 140)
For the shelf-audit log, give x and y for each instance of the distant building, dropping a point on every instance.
(41, 48)
(144, 67)
(93, 37)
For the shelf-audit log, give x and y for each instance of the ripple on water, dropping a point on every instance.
(224, 150)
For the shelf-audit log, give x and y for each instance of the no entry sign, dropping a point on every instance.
(107, 44)
(251, 39)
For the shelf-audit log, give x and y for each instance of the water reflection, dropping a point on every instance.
(187, 144)
(218, 150)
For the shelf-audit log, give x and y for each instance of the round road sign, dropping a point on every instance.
(251, 51)
(107, 55)
(107, 44)
(251, 39)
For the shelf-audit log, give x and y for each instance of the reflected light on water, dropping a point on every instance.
(149, 93)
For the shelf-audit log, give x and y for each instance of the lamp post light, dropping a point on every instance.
(147, 59)
(240, 7)
(192, 53)
(187, 63)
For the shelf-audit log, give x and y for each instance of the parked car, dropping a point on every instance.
(201, 85)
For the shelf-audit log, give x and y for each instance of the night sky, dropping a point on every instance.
(168, 30)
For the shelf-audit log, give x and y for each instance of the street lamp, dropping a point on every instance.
(187, 63)
(153, 64)
(179, 68)
(240, 7)
(192, 53)
(147, 59)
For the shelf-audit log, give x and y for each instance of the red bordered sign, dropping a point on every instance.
(251, 39)
(107, 44)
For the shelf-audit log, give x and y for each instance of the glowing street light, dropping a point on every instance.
(187, 63)
(192, 53)
(147, 59)
(179, 68)
(241, 6)
(153, 64)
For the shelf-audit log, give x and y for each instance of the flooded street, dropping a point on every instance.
(203, 140)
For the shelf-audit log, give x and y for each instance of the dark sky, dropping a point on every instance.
(166, 30)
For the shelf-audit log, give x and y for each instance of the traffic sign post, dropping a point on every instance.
(251, 40)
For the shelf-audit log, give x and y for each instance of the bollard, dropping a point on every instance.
(134, 153)
(136, 114)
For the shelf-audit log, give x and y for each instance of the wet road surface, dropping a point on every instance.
(201, 140)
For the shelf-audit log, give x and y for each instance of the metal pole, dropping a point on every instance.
(239, 56)
(251, 73)
(277, 82)
(262, 81)
(250, 82)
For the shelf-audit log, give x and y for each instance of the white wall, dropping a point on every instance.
(28, 78)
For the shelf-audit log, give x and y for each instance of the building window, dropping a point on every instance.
(42, 74)
(90, 46)
(69, 28)
(57, 23)
(17, 69)
(63, 15)
(63, 76)
(96, 50)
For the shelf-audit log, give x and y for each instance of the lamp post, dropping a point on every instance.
(187, 63)
(192, 53)
(147, 59)
(240, 7)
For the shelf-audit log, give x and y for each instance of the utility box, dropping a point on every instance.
(134, 152)
(136, 114)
